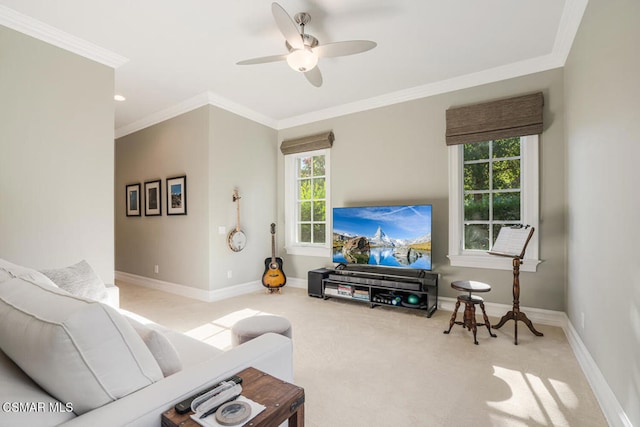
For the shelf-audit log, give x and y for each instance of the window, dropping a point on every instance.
(491, 190)
(492, 184)
(307, 203)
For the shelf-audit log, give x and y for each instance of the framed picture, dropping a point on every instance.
(133, 200)
(177, 195)
(152, 198)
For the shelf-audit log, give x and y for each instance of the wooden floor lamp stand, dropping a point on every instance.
(515, 314)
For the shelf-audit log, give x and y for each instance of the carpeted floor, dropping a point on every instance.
(363, 367)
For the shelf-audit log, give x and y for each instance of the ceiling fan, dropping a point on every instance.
(304, 49)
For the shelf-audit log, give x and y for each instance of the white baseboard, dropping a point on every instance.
(610, 406)
(187, 291)
(613, 412)
(536, 315)
(294, 282)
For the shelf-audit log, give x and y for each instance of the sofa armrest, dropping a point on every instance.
(114, 295)
(271, 353)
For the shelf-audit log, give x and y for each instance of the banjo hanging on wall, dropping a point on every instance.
(237, 239)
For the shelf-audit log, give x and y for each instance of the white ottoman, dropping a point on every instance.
(252, 327)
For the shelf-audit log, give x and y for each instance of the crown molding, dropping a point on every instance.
(241, 110)
(543, 63)
(568, 28)
(205, 98)
(48, 34)
(522, 68)
(165, 114)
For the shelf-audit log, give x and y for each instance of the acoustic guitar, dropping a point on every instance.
(273, 277)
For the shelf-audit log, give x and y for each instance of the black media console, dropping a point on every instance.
(408, 288)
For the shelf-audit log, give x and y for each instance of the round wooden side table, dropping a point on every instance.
(470, 301)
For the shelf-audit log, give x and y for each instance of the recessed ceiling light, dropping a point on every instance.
(119, 97)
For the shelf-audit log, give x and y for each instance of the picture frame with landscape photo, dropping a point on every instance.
(152, 198)
(177, 195)
(133, 200)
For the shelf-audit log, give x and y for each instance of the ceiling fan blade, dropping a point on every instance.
(343, 48)
(314, 76)
(287, 27)
(263, 60)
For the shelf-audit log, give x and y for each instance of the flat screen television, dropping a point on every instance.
(389, 236)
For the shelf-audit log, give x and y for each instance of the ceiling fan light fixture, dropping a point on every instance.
(302, 60)
(304, 49)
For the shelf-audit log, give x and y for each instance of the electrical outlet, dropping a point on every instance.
(229, 274)
(222, 230)
(156, 269)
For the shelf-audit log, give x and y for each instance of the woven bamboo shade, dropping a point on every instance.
(308, 143)
(505, 118)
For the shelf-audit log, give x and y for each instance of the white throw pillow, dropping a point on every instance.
(79, 280)
(80, 351)
(160, 347)
(10, 271)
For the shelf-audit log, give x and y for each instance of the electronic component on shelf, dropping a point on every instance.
(414, 289)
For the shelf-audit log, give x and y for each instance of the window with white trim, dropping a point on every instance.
(492, 184)
(307, 209)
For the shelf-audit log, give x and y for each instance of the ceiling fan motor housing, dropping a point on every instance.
(308, 40)
(302, 18)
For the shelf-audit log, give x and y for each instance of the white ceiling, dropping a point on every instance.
(171, 56)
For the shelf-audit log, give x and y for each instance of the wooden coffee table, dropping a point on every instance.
(284, 401)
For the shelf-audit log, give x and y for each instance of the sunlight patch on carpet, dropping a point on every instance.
(534, 398)
(217, 333)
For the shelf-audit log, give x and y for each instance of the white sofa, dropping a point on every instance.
(71, 361)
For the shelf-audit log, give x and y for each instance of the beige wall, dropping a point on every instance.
(56, 161)
(178, 244)
(218, 151)
(602, 93)
(397, 154)
(243, 156)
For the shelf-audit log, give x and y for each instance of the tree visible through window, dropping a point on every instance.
(492, 190)
(311, 194)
